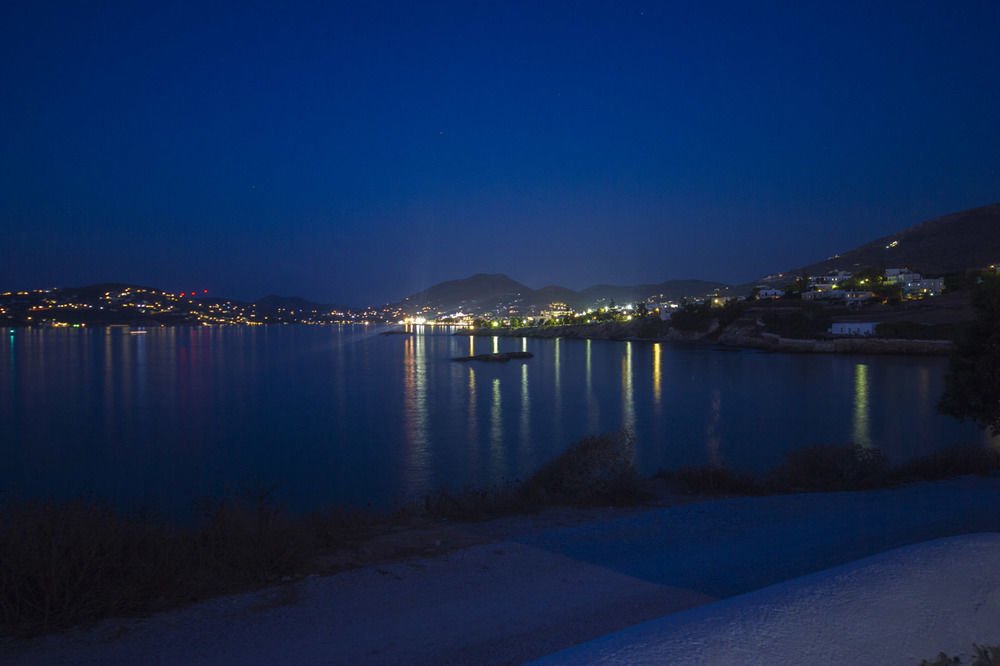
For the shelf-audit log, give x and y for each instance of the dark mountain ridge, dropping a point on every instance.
(483, 292)
(476, 291)
(969, 239)
(274, 303)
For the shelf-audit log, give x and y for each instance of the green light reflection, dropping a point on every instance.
(862, 427)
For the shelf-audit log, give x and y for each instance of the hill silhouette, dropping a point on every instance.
(272, 303)
(482, 292)
(960, 241)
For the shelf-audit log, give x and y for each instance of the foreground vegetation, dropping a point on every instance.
(66, 563)
(988, 655)
(830, 468)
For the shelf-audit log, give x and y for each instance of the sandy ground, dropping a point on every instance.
(521, 589)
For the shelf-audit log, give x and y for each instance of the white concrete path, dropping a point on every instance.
(899, 607)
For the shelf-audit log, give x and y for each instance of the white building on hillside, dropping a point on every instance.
(900, 276)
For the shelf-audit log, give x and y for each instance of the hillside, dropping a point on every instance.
(556, 294)
(671, 290)
(272, 304)
(482, 292)
(965, 240)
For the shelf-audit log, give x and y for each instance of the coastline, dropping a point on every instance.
(714, 337)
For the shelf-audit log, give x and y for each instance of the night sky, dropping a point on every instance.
(357, 152)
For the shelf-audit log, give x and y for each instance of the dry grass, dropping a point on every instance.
(66, 563)
(949, 463)
(596, 470)
(988, 655)
(824, 468)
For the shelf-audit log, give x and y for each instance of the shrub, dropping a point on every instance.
(649, 327)
(596, 469)
(833, 468)
(803, 324)
(909, 330)
(828, 468)
(949, 463)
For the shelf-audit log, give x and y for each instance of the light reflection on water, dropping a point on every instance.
(415, 414)
(862, 428)
(336, 414)
(525, 409)
(473, 422)
(557, 390)
(628, 400)
(657, 379)
(593, 409)
(713, 438)
(496, 431)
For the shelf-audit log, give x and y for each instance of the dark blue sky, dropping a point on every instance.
(356, 152)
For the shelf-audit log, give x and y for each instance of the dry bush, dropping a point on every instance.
(64, 563)
(988, 655)
(70, 562)
(949, 463)
(595, 469)
(829, 468)
(248, 538)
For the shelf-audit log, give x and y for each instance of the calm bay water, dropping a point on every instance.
(338, 413)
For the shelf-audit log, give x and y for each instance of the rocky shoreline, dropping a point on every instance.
(735, 335)
(771, 342)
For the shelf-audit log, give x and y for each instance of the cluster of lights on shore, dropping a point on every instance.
(556, 310)
(49, 307)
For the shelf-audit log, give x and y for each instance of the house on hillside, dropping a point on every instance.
(914, 284)
(770, 293)
(928, 286)
(900, 276)
(830, 279)
(822, 293)
(856, 298)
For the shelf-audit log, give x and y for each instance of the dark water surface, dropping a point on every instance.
(336, 414)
